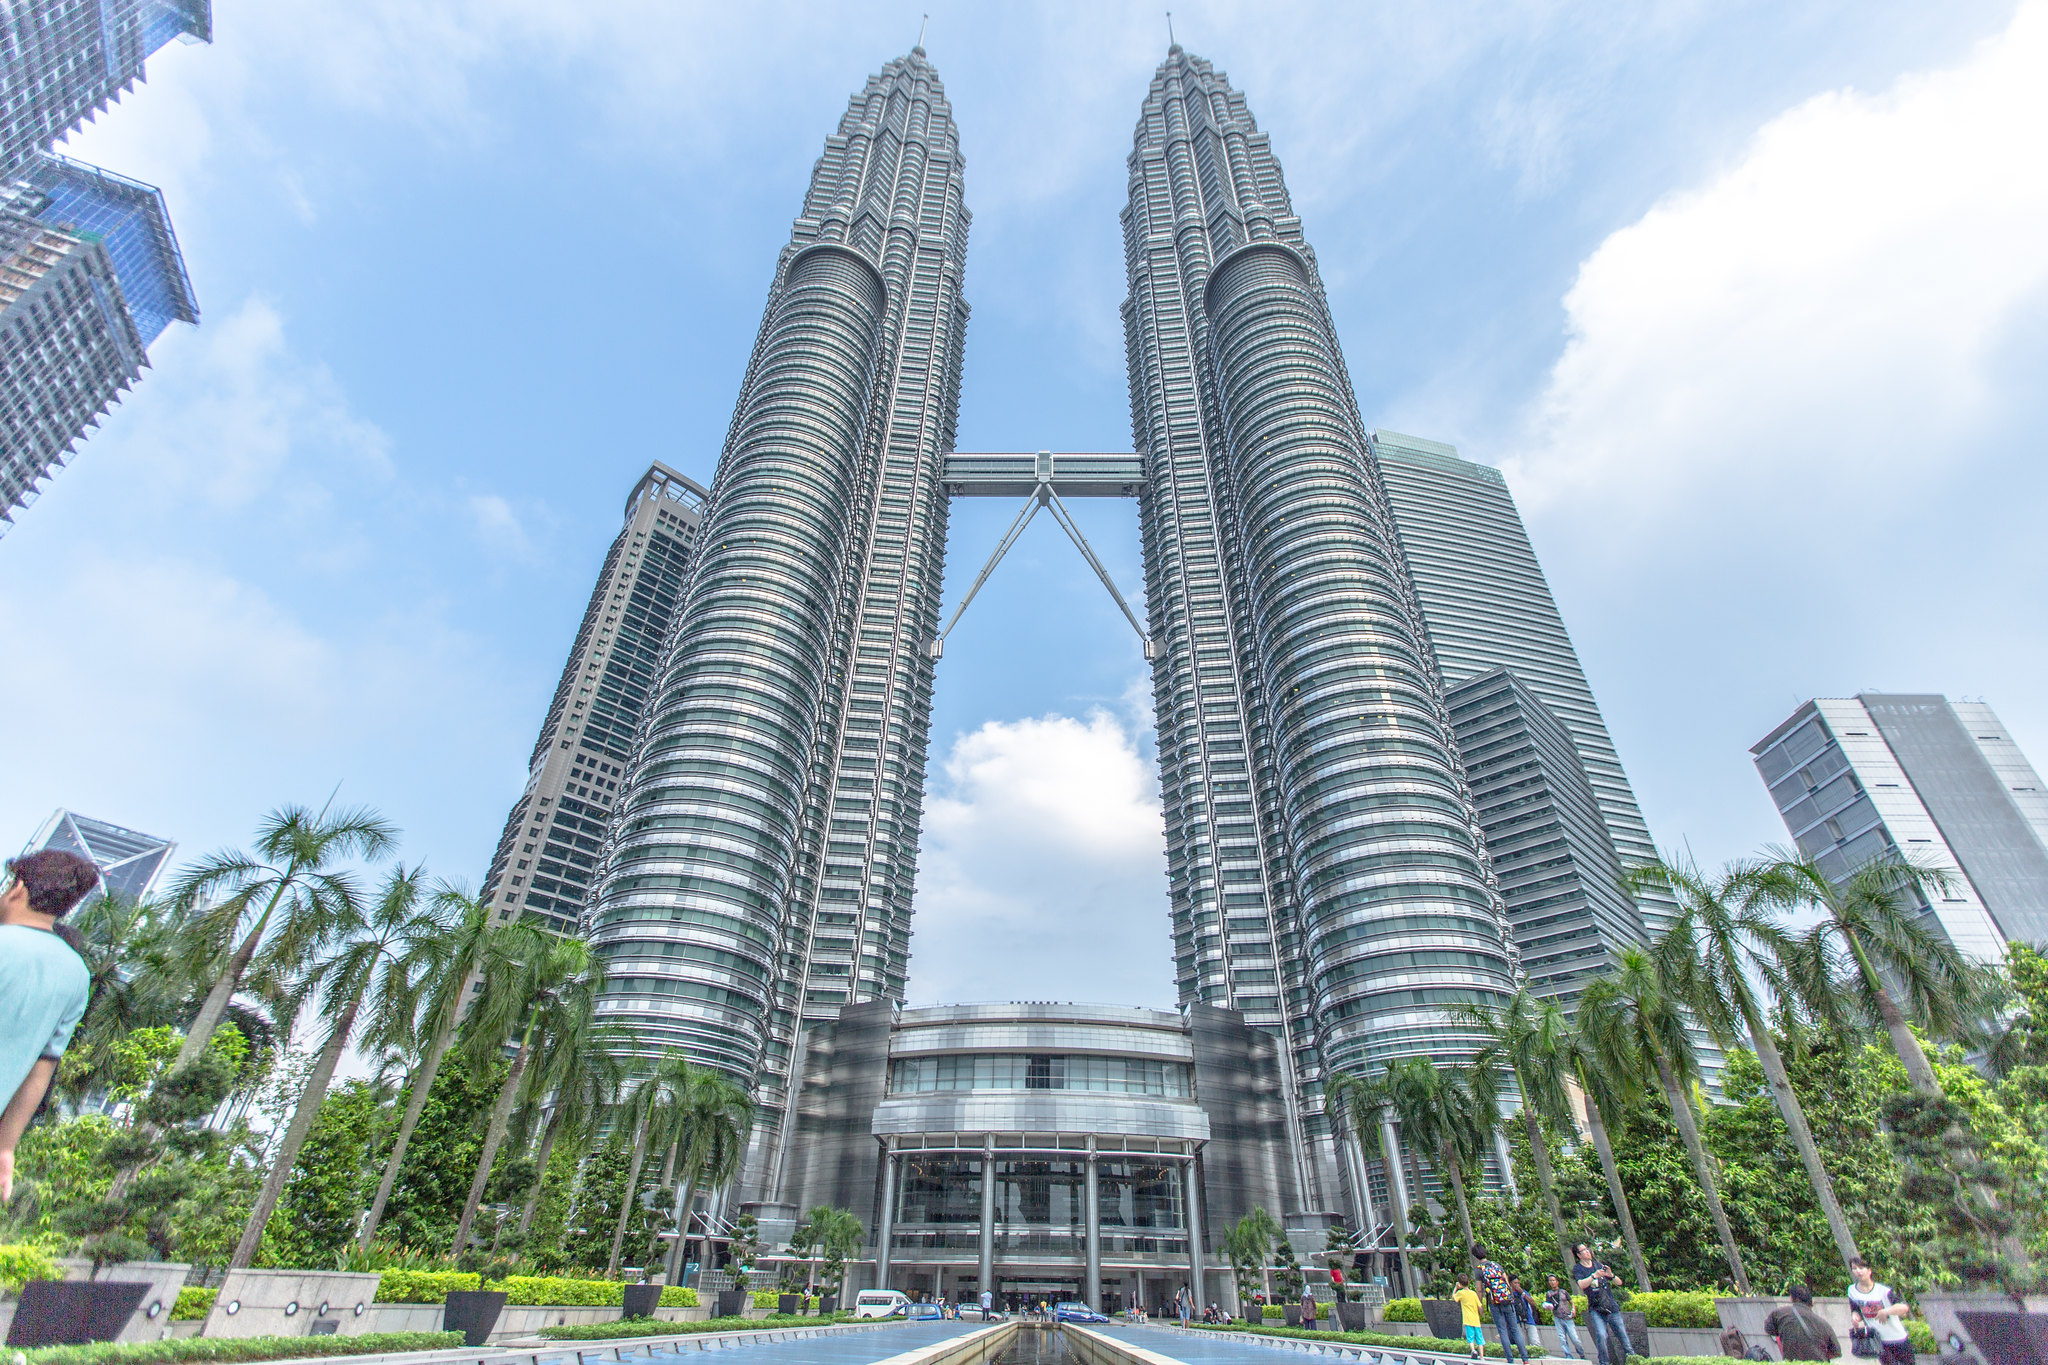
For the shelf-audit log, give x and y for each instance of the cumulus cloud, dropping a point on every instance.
(1826, 311)
(1042, 870)
(497, 527)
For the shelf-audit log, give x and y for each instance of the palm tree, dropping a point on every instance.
(291, 877)
(368, 960)
(552, 999)
(444, 969)
(1871, 920)
(1605, 1091)
(646, 1115)
(1531, 1040)
(1448, 1111)
(1636, 1030)
(713, 1117)
(1727, 939)
(835, 1232)
(582, 1079)
(1362, 1104)
(1248, 1245)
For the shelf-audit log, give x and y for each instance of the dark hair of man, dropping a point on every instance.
(1800, 1294)
(1578, 1247)
(55, 880)
(1479, 1252)
(1858, 1263)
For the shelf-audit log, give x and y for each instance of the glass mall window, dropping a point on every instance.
(1041, 1071)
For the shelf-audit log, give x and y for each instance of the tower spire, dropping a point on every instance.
(1172, 44)
(920, 33)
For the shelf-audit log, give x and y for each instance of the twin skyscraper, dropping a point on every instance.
(1386, 787)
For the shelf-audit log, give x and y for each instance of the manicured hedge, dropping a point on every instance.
(1274, 1313)
(1674, 1308)
(424, 1286)
(183, 1349)
(1403, 1310)
(641, 1327)
(20, 1263)
(193, 1304)
(1350, 1338)
(772, 1298)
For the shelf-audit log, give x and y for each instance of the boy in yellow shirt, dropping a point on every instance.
(1475, 1341)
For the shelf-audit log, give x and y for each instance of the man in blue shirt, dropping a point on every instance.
(43, 986)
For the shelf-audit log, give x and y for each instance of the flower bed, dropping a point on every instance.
(602, 1331)
(182, 1349)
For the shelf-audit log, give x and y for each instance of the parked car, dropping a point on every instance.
(881, 1303)
(1076, 1312)
(926, 1312)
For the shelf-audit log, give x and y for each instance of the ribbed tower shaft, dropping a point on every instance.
(1327, 875)
(761, 867)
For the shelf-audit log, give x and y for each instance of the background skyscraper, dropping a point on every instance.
(1935, 781)
(554, 838)
(90, 275)
(763, 858)
(1327, 873)
(64, 61)
(129, 861)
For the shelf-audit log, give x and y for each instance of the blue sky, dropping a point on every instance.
(1750, 300)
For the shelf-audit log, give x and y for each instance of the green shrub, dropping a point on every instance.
(1274, 1312)
(1674, 1308)
(424, 1286)
(1922, 1337)
(678, 1296)
(193, 1304)
(240, 1348)
(1403, 1310)
(20, 1263)
(555, 1291)
(1681, 1360)
(602, 1331)
(1380, 1339)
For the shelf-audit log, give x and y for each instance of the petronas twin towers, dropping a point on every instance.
(1328, 877)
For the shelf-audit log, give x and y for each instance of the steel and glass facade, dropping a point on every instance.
(63, 61)
(763, 856)
(554, 838)
(1939, 782)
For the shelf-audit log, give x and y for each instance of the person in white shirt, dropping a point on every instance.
(1875, 1305)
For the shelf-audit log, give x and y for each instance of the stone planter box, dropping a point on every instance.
(152, 1318)
(73, 1312)
(1975, 1317)
(1446, 1320)
(474, 1313)
(732, 1303)
(641, 1300)
(516, 1321)
(292, 1303)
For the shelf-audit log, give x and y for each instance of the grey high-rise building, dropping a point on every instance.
(554, 837)
(64, 61)
(762, 863)
(1487, 605)
(1935, 781)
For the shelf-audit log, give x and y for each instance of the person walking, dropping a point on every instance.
(1500, 1297)
(1308, 1310)
(1802, 1333)
(988, 1301)
(1468, 1307)
(1878, 1309)
(1183, 1303)
(1563, 1313)
(44, 984)
(1595, 1279)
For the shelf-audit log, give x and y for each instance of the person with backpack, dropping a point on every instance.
(1595, 1279)
(1801, 1333)
(1500, 1297)
(1562, 1314)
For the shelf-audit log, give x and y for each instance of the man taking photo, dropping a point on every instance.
(43, 986)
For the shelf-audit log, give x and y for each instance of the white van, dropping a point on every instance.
(881, 1303)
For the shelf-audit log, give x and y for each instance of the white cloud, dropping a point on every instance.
(1042, 870)
(498, 527)
(1824, 312)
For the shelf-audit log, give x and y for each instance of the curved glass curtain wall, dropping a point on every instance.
(1041, 1071)
(763, 857)
(1327, 876)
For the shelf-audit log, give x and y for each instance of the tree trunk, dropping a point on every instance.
(686, 1195)
(1615, 1192)
(1802, 1136)
(415, 1105)
(1390, 1163)
(1457, 1175)
(501, 1114)
(1540, 1150)
(200, 1033)
(1702, 1167)
(303, 1115)
(540, 1171)
(1919, 1072)
(626, 1201)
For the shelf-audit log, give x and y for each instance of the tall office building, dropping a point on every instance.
(129, 861)
(554, 837)
(762, 860)
(1545, 835)
(90, 275)
(1939, 782)
(63, 61)
(1487, 605)
(1327, 872)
